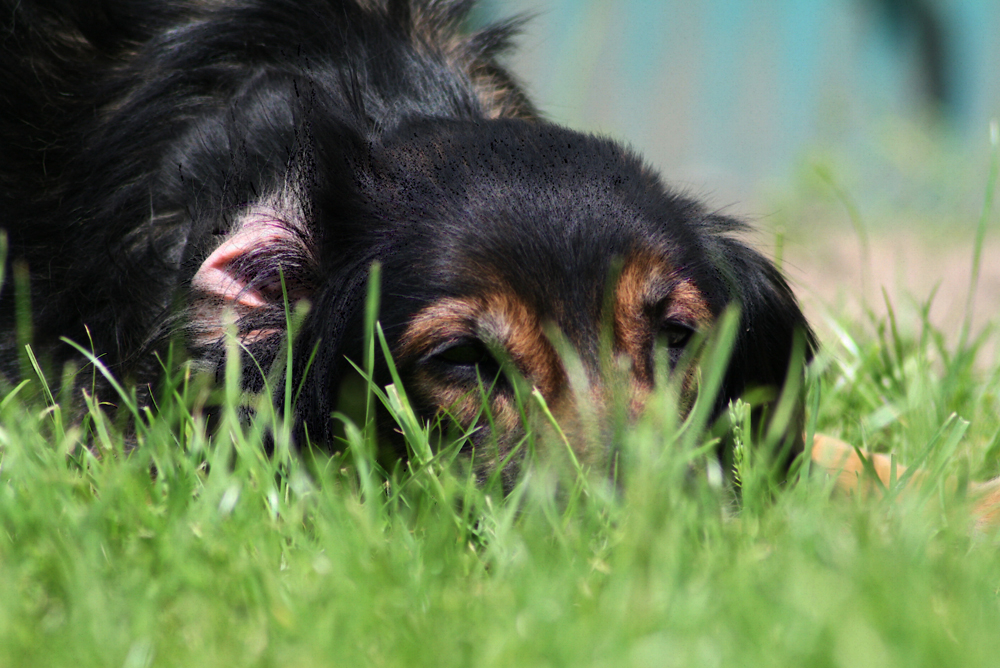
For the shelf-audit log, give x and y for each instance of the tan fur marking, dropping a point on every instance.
(465, 405)
(519, 336)
(633, 335)
(687, 303)
(519, 330)
(500, 99)
(642, 278)
(506, 324)
(499, 319)
(444, 319)
(643, 274)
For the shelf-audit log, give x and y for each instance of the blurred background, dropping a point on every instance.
(853, 133)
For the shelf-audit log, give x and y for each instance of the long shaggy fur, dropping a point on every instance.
(164, 162)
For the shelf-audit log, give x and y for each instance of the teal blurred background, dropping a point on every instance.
(738, 100)
(854, 134)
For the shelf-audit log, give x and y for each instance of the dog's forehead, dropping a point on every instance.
(525, 273)
(558, 272)
(531, 205)
(553, 219)
(558, 258)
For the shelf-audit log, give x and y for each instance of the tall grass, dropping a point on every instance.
(172, 538)
(195, 548)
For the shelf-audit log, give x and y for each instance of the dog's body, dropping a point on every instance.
(164, 163)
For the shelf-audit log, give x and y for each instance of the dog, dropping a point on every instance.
(169, 166)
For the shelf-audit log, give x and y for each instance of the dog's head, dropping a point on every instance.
(518, 253)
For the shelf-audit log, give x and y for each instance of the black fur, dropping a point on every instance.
(136, 136)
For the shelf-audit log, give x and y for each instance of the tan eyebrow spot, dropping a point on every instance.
(639, 273)
(689, 304)
(639, 288)
(444, 319)
(498, 318)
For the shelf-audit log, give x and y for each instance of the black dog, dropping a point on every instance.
(164, 163)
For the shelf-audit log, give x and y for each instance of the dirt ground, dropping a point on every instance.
(832, 274)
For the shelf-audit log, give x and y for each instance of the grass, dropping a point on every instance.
(228, 557)
(196, 549)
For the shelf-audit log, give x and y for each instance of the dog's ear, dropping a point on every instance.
(773, 344)
(264, 260)
(311, 238)
(348, 236)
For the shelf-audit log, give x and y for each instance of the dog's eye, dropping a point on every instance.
(466, 354)
(676, 334)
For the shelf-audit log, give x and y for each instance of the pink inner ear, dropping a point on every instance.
(218, 276)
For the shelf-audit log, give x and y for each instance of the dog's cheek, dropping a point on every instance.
(497, 445)
(465, 407)
(688, 391)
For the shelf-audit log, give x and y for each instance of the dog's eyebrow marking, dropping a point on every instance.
(646, 279)
(688, 304)
(497, 318)
(649, 291)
